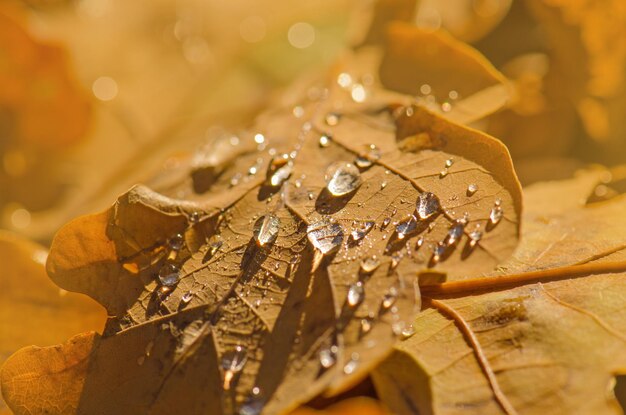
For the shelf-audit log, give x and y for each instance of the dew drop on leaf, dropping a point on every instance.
(438, 252)
(342, 178)
(332, 118)
(455, 232)
(356, 294)
(366, 325)
(471, 189)
(385, 223)
(362, 162)
(328, 356)
(176, 242)
(279, 170)
(389, 299)
(266, 230)
(233, 362)
(369, 264)
(449, 163)
(186, 298)
(406, 227)
(496, 214)
(352, 364)
(326, 236)
(362, 231)
(169, 275)
(324, 140)
(427, 205)
(475, 237)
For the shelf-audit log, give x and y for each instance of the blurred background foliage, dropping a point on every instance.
(96, 95)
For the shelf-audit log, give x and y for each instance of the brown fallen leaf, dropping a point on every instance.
(544, 335)
(290, 274)
(32, 308)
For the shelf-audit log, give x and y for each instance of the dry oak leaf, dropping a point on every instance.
(545, 335)
(282, 265)
(32, 308)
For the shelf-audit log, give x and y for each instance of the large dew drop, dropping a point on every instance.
(326, 236)
(266, 230)
(169, 275)
(370, 264)
(496, 214)
(455, 232)
(427, 205)
(342, 178)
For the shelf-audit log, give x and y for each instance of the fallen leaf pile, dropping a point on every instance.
(361, 229)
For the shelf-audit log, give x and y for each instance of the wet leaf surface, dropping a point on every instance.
(265, 303)
(552, 342)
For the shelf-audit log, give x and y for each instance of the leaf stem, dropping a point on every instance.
(456, 288)
(478, 351)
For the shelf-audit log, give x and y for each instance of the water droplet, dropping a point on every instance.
(475, 237)
(395, 260)
(408, 331)
(324, 140)
(279, 170)
(369, 264)
(326, 236)
(352, 364)
(363, 162)
(425, 89)
(455, 232)
(266, 230)
(364, 229)
(406, 227)
(233, 362)
(383, 185)
(176, 242)
(328, 356)
(389, 299)
(342, 178)
(438, 252)
(449, 163)
(169, 275)
(446, 107)
(234, 181)
(385, 223)
(356, 294)
(427, 205)
(366, 324)
(443, 173)
(344, 80)
(332, 118)
(409, 111)
(498, 202)
(496, 214)
(187, 297)
(254, 403)
(311, 196)
(419, 242)
(214, 246)
(194, 217)
(471, 189)
(298, 111)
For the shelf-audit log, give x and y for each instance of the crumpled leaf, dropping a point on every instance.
(550, 342)
(260, 310)
(32, 309)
